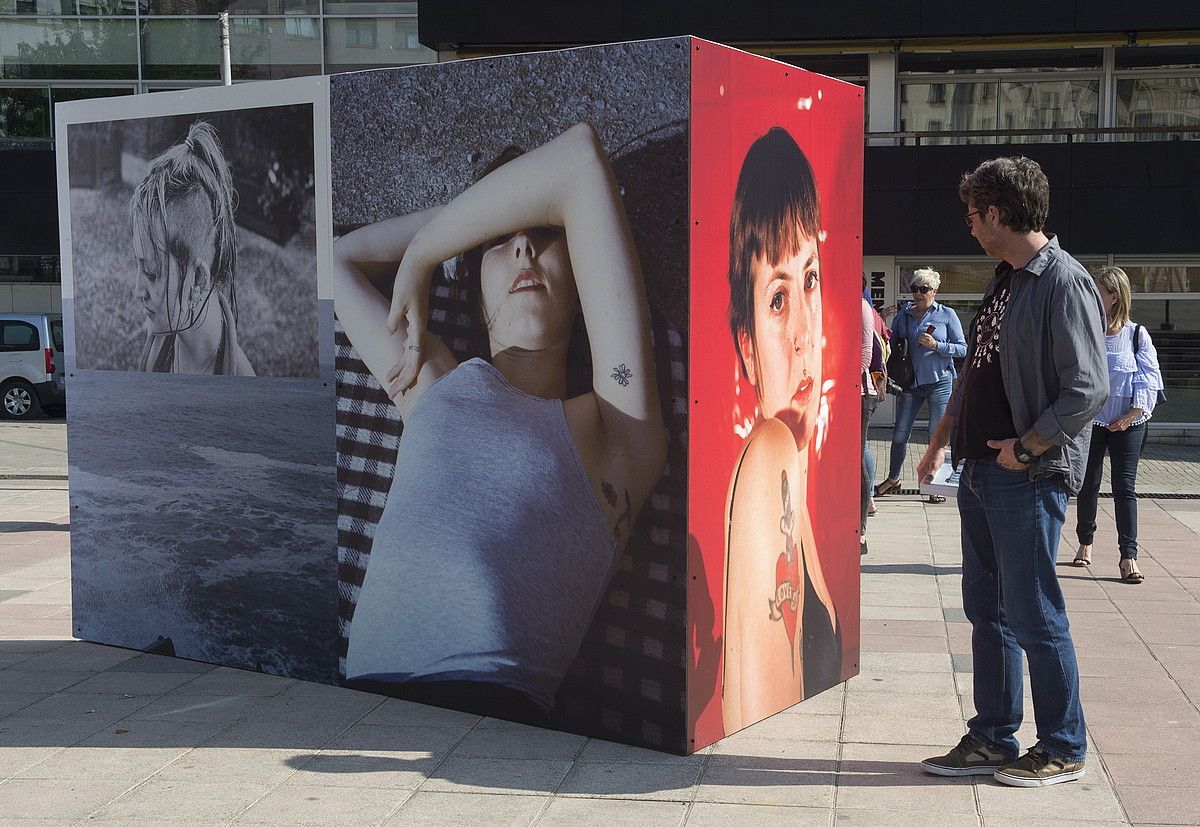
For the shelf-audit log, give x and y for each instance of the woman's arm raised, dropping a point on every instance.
(364, 263)
(566, 182)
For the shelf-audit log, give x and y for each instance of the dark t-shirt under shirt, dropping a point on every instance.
(984, 412)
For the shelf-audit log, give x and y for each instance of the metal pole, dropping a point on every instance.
(226, 70)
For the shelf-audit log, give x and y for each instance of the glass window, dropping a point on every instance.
(24, 112)
(1158, 278)
(234, 7)
(260, 49)
(1006, 61)
(175, 49)
(68, 7)
(83, 49)
(275, 47)
(59, 94)
(350, 45)
(1159, 101)
(1049, 104)
(30, 269)
(370, 7)
(361, 34)
(18, 336)
(970, 278)
(1174, 326)
(926, 107)
(56, 334)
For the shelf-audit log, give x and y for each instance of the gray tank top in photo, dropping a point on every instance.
(492, 552)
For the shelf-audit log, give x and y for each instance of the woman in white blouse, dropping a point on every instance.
(1119, 429)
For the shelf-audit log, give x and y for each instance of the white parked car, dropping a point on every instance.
(31, 364)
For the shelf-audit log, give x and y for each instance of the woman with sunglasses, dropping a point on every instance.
(935, 340)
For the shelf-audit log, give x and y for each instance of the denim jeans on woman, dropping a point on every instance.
(907, 405)
(1125, 448)
(869, 404)
(1010, 533)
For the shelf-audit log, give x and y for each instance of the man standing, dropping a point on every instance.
(1036, 374)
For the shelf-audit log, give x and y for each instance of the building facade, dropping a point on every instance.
(1104, 94)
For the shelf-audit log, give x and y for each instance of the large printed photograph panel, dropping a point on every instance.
(512, 459)
(194, 243)
(775, 348)
(200, 427)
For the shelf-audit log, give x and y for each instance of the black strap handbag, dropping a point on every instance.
(900, 365)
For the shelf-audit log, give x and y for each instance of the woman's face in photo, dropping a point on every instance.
(529, 295)
(171, 269)
(784, 357)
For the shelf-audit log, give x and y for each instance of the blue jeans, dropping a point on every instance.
(907, 405)
(869, 404)
(1125, 449)
(1010, 533)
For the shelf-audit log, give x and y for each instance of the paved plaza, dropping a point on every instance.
(99, 734)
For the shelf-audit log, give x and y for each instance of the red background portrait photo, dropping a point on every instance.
(773, 561)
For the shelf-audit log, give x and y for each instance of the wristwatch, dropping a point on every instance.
(1023, 454)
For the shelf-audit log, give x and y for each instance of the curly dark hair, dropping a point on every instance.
(1016, 186)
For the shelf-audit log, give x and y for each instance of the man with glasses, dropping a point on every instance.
(1035, 375)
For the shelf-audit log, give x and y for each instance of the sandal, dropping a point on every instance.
(887, 487)
(1083, 557)
(936, 498)
(871, 509)
(1131, 574)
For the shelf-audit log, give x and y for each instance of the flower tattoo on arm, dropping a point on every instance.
(622, 374)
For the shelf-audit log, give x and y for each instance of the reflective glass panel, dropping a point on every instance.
(236, 7)
(1049, 104)
(370, 7)
(948, 107)
(68, 49)
(24, 112)
(1159, 102)
(58, 94)
(367, 42)
(260, 48)
(68, 7)
(1174, 327)
(1157, 278)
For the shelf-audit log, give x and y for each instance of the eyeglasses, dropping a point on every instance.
(967, 217)
(921, 288)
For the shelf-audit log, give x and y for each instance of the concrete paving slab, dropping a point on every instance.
(1092, 794)
(498, 775)
(214, 803)
(291, 804)
(658, 782)
(887, 818)
(1161, 805)
(22, 798)
(888, 777)
(569, 812)
(708, 814)
(127, 765)
(431, 809)
(341, 768)
(526, 742)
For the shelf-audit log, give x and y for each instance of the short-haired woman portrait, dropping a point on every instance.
(782, 635)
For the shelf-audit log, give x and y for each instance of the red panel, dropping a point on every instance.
(748, 656)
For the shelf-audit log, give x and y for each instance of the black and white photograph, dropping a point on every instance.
(194, 243)
(519, 225)
(197, 538)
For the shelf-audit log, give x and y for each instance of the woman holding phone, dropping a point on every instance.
(935, 340)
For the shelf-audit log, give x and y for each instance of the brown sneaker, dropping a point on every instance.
(970, 757)
(1038, 768)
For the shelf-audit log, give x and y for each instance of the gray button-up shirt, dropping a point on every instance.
(1052, 358)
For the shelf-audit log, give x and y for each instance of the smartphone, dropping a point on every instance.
(929, 330)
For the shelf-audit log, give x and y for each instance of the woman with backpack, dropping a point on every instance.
(1119, 430)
